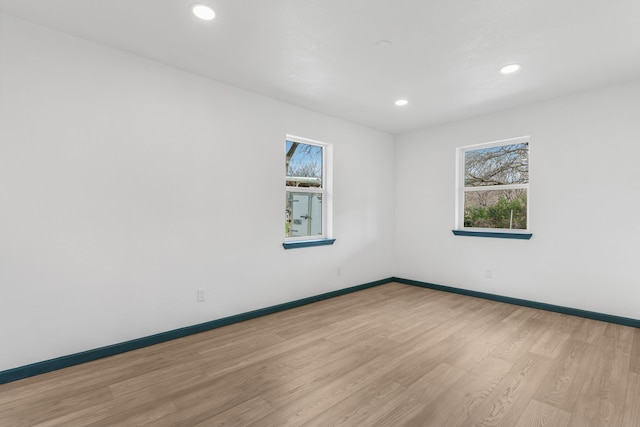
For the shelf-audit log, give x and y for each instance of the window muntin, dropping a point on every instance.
(306, 189)
(493, 186)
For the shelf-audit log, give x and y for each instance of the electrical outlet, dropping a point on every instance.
(488, 273)
(339, 271)
(202, 295)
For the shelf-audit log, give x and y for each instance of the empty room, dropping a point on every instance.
(319, 213)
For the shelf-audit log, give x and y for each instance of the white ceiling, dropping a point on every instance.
(444, 56)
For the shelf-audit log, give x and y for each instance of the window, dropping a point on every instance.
(307, 195)
(493, 188)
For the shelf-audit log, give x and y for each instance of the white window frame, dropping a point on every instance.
(326, 190)
(461, 189)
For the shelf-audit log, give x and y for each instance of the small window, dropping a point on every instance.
(307, 190)
(493, 187)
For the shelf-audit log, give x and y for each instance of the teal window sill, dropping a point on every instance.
(307, 243)
(494, 234)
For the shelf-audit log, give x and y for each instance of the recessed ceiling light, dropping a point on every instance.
(203, 11)
(401, 102)
(383, 44)
(511, 68)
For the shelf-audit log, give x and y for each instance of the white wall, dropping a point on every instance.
(584, 199)
(125, 185)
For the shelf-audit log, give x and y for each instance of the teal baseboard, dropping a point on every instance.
(526, 303)
(111, 350)
(99, 353)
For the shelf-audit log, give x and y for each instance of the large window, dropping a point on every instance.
(307, 194)
(493, 187)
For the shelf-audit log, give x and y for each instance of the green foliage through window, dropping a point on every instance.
(506, 212)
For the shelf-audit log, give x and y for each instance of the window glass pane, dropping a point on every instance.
(496, 209)
(303, 164)
(505, 164)
(303, 214)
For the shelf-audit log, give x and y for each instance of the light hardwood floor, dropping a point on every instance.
(392, 355)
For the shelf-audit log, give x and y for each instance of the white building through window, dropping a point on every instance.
(493, 187)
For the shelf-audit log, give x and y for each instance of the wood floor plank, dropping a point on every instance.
(493, 367)
(567, 323)
(520, 342)
(289, 352)
(519, 316)
(159, 381)
(512, 395)
(589, 330)
(84, 417)
(392, 355)
(538, 414)
(619, 336)
(73, 380)
(428, 388)
(146, 414)
(38, 412)
(592, 411)
(241, 415)
(315, 400)
(634, 363)
(453, 407)
(327, 370)
(602, 398)
(563, 383)
(631, 413)
(481, 347)
(551, 343)
(356, 409)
